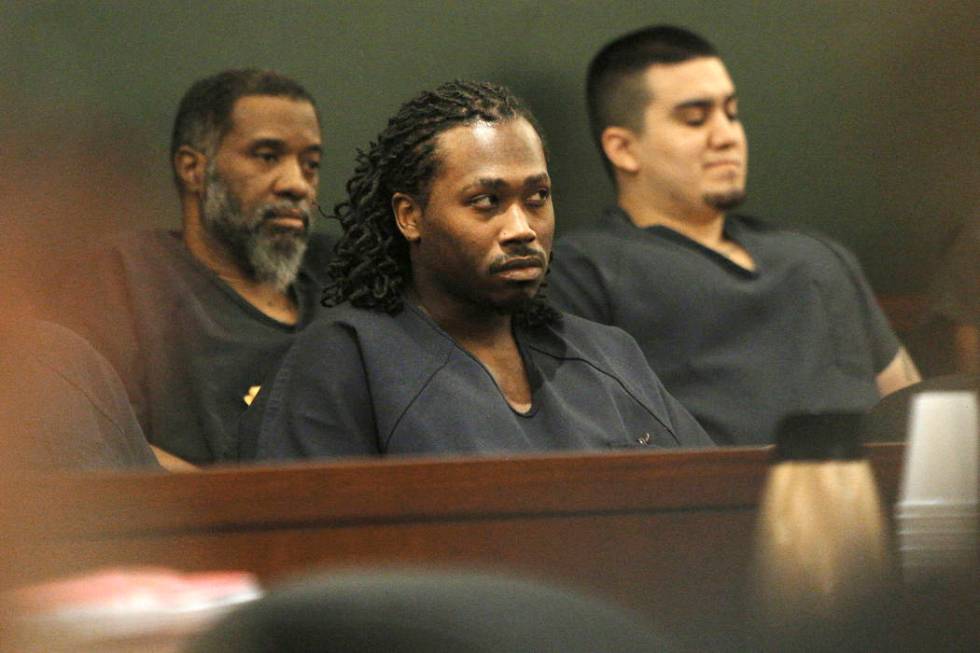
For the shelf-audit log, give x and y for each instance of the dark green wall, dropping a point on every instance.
(862, 116)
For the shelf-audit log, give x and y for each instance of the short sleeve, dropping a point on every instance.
(883, 342)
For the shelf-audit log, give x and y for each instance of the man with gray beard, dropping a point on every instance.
(194, 320)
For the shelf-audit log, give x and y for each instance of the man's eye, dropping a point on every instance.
(267, 157)
(694, 120)
(313, 165)
(732, 111)
(540, 197)
(483, 202)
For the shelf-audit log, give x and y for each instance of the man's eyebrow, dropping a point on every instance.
(542, 178)
(703, 103)
(496, 183)
(279, 144)
(271, 143)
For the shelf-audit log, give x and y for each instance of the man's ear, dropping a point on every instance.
(619, 144)
(408, 214)
(190, 166)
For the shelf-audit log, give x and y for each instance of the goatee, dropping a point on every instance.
(266, 253)
(725, 201)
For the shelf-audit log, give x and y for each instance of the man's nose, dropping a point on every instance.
(295, 181)
(517, 225)
(725, 132)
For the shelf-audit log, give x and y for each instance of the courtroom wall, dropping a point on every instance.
(861, 115)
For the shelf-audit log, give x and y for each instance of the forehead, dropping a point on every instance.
(271, 117)
(701, 78)
(502, 150)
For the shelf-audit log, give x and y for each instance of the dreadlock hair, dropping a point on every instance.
(371, 265)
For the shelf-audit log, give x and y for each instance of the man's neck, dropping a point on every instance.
(705, 227)
(472, 327)
(487, 336)
(277, 304)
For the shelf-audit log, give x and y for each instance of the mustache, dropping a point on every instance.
(520, 256)
(271, 211)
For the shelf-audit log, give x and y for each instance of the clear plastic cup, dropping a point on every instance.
(941, 458)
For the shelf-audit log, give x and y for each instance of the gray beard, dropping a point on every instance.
(725, 201)
(266, 254)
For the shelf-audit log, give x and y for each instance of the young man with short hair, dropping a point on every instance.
(745, 322)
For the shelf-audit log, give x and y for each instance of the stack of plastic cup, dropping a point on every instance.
(936, 516)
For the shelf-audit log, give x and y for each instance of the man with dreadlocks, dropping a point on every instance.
(440, 340)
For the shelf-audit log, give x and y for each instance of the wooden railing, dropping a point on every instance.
(668, 534)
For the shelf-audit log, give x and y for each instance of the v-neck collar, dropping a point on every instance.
(534, 375)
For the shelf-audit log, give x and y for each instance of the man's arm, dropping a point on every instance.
(966, 344)
(172, 463)
(899, 373)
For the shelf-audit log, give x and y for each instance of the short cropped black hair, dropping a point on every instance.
(371, 265)
(616, 94)
(204, 114)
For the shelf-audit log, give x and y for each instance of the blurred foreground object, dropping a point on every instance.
(937, 514)
(125, 609)
(433, 611)
(936, 520)
(822, 566)
(888, 421)
(63, 406)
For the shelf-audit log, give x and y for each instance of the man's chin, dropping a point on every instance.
(516, 300)
(725, 201)
(291, 231)
(276, 258)
(283, 243)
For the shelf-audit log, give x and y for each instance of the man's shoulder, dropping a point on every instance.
(370, 326)
(756, 225)
(112, 263)
(613, 227)
(357, 318)
(53, 344)
(792, 240)
(132, 252)
(136, 242)
(592, 240)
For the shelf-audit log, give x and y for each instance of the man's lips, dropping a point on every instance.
(520, 268)
(721, 163)
(288, 219)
